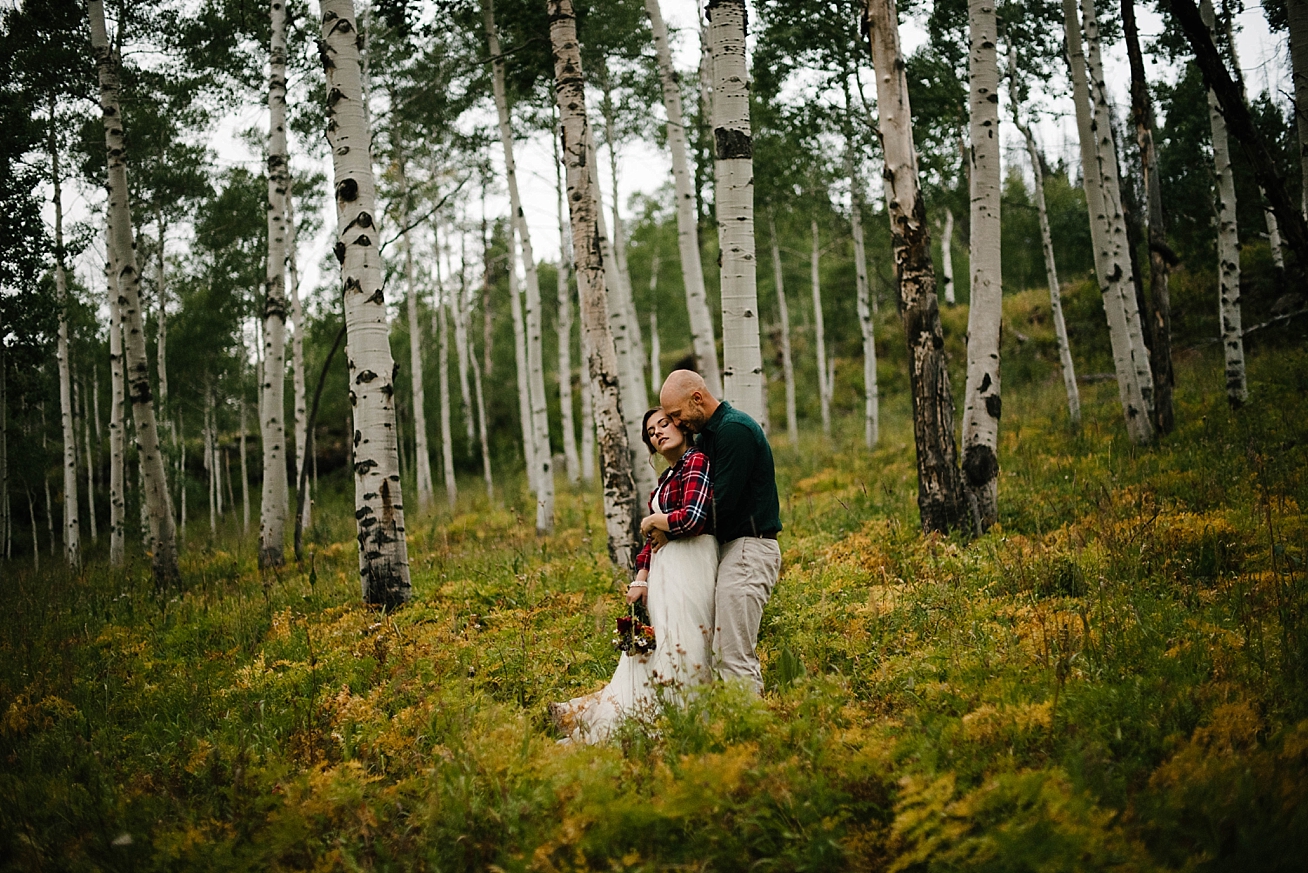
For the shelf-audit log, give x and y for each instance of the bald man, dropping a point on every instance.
(746, 517)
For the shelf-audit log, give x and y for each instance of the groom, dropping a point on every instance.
(746, 517)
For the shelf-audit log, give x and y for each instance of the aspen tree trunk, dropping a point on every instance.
(480, 397)
(156, 510)
(245, 473)
(181, 473)
(487, 322)
(443, 377)
(1228, 242)
(819, 331)
(90, 461)
(1298, 16)
(272, 404)
(587, 449)
(1051, 273)
(787, 363)
(541, 458)
(655, 344)
(460, 313)
(692, 268)
(947, 256)
(866, 323)
(161, 319)
(1108, 233)
(734, 180)
(631, 375)
(117, 442)
(1142, 110)
(620, 504)
(940, 496)
(297, 347)
(423, 465)
(378, 498)
(210, 461)
(36, 546)
(619, 241)
(520, 367)
(981, 396)
(563, 328)
(71, 526)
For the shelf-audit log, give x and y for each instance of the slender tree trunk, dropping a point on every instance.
(90, 461)
(460, 314)
(480, 397)
(620, 502)
(117, 431)
(443, 378)
(563, 328)
(1160, 255)
(297, 345)
(423, 465)
(487, 322)
(520, 367)
(1051, 272)
(1298, 16)
(378, 498)
(1228, 242)
(655, 344)
(631, 375)
(819, 331)
(161, 333)
(272, 405)
(210, 466)
(619, 242)
(734, 179)
(587, 412)
(947, 256)
(245, 472)
(981, 396)
(1108, 233)
(36, 546)
(154, 479)
(940, 496)
(71, 527)
(692, 268)
(541, 457)
(866, 322)
(787, 363)
(181, 473)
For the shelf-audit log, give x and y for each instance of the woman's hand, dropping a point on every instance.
(651, 523)
(639, 588)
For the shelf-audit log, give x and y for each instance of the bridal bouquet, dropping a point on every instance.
(635, 637)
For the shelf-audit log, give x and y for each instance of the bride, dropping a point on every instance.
(676, 574)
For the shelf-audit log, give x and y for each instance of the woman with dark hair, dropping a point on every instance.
(676, 572)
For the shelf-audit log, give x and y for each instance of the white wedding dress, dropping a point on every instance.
(682, 577)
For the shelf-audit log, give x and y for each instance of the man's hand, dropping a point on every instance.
(658, 538)
(650, 523)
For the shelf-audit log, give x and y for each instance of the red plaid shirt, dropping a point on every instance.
(685, 493)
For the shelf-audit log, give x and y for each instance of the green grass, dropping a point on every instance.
(1113, 678)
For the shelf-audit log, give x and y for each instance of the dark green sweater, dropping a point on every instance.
(745, 500)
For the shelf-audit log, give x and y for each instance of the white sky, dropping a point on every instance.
(1263, 58)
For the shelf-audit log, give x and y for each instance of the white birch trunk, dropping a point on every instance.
(619, 241)
(1228, 243)
(443, 378)
(734, 175)
(620, 504)
(947, 256)
(1108, 233)
(787, 363)
(90, 462)
(540, 424)
(587, 448)
(1298, 20)
(520, 365)
(423, 465)
(460, 313)
(480, 397)
(161, 334)
(692, 267)
(866, 321)
(71, 526)
(297, 351)
(655, 350)
(272, 404)
(631, 375)
(163, 545)
(981, 398)
(819, 330)
(378, 497)
(563, 328)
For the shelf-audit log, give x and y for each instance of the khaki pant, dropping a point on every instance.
(747, 571)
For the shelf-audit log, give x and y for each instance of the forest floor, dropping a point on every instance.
(1114, 677)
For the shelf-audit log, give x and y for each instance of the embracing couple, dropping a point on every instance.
(708, 565)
